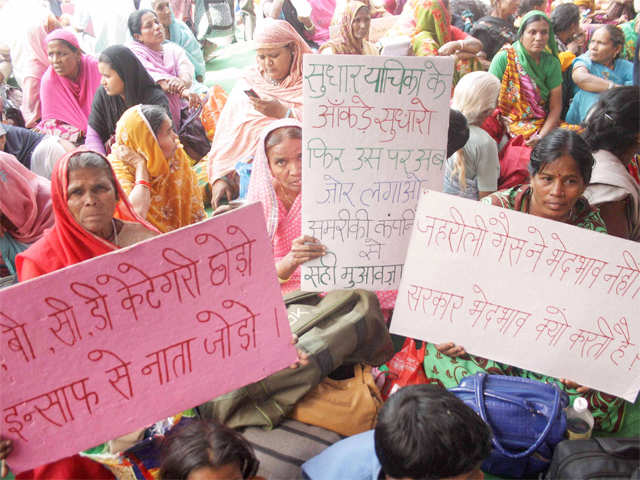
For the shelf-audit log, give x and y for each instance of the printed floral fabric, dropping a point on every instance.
(518, 198)
(59, 129)
(608, 410)
(176, 198)
(630, 38)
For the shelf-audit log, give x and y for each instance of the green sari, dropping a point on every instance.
(608, 410)
(630, 38)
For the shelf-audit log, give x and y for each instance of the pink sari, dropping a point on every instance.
(171, 62)
(25, 200)
(239, 125)
(37, 65)
(284, 227)
(63, 99)
(321, 15)
(182, 9)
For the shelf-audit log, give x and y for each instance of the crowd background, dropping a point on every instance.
(113, 131)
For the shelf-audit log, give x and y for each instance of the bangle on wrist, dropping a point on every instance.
(144, 183)
(288, 113)
(284, 280)
(611, 85)
(461, 44)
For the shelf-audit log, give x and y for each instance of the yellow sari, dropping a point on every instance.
(176, 199)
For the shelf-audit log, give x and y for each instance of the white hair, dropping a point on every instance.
(476, 96)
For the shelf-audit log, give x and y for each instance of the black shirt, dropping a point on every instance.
(21, 142)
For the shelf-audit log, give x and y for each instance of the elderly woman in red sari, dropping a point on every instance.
(67, 88)
(269, 91)
(86, 197)
(92, 217)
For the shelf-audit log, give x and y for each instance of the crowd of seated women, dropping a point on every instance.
(100, 165)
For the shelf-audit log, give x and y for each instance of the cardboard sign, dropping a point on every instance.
(375, 134)
(111, 345)
(523, 290)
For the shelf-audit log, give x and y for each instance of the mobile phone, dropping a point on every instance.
(251, 93)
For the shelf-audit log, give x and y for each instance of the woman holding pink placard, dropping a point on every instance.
(86, 197)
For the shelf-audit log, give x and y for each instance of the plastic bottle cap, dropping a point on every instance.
(580, 405)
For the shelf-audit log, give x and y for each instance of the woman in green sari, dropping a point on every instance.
(630, 30)
(561, 165)
(530, 100)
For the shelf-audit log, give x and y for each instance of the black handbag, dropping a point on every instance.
(601, 458)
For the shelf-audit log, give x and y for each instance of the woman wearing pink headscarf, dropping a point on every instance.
(25, 208)
(67, 88)
(269, 91)
(276, 182)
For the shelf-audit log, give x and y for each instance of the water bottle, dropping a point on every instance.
(579, 420)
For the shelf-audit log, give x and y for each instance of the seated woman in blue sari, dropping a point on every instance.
(598, 70)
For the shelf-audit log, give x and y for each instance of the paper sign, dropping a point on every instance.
(523, 290)
(114, 344)
(375, 133)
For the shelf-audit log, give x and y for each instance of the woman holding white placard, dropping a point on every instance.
(560, 167)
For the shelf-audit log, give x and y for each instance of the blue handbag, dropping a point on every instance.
(526, 417)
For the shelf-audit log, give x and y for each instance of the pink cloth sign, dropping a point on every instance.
(108, 346)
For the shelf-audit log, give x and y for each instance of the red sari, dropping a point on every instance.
(68, 242)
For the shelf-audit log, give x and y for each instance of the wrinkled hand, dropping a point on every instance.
(269, 108)
(575, 45)
(466, 56)
(450, 349)
(574, 386)
(533, 140)
(221, 190)
(172, 86)
(193, 98)
(222, 209)
(449, 48)
(303, 249)
(6, 446)
(129, 157)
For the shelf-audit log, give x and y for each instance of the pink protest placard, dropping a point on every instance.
(523, 290)
(103, 348)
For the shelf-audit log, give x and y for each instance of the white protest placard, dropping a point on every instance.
(111, 345)
(375, 134)
(523, 290)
